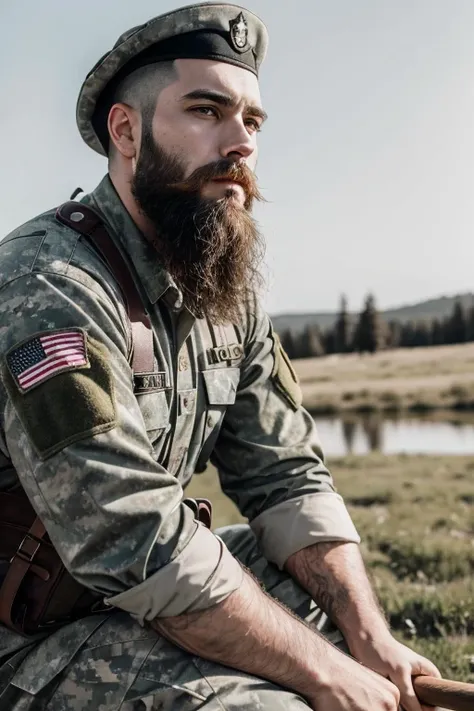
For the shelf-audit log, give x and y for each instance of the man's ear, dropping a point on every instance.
(124, 129)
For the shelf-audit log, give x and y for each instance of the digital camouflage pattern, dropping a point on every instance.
(108, 485)
(220, 17)
(124, 666)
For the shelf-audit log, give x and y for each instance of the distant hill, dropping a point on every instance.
(433, 308)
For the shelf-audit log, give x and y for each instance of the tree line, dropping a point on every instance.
(368, 332)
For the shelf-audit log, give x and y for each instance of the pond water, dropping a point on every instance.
(360, 434)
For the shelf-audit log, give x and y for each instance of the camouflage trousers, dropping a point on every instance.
(122, 665)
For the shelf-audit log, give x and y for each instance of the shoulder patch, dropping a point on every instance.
(46, 354)
(284, 376)
(73, 402)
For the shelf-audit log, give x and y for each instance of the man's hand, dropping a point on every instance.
(397, 662)
(334, 575)
(352, 687)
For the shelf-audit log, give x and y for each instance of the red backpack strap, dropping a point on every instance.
(86, 221)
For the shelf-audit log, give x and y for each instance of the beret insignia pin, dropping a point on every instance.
(239, 32)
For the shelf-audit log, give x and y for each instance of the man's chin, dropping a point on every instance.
(224, 190)
(235, 197)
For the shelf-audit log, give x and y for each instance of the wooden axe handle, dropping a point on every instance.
(442, 692)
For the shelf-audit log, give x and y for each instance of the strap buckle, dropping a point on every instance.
(27, 549)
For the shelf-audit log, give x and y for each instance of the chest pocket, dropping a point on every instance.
(220, 386)
(155, 412)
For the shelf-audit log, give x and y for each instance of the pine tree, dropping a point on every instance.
(288, 343)
(297, 339)
(394, 338)
(422, 334)
(437, 332)
(470, 324)
(342, 328)
(408, 335)
(328, 340)
(457, 325)
(311, 342)
(369, 334)
(447, 330)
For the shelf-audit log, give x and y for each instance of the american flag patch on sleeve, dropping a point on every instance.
(46, 355)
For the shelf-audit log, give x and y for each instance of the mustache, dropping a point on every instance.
(224, 169)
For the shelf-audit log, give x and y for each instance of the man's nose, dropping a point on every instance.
(239, 143)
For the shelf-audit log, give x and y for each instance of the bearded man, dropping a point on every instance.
(133, 351)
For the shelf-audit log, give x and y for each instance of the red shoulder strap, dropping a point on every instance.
(86, 221)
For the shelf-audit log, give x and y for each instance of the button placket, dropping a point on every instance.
(186, 407)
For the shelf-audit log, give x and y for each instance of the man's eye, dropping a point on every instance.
(205, 110)
(253, 124)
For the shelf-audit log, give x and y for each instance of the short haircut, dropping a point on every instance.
(141, 89)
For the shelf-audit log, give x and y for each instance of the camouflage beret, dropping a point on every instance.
(227, 33)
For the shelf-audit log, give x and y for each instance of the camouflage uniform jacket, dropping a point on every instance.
(105, 467)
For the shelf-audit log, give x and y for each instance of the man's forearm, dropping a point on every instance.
(334, 574)
(252, 632)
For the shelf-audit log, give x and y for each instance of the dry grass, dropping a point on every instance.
(415, 379)
(416, 518)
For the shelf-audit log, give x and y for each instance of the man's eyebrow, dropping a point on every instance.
(224, 100)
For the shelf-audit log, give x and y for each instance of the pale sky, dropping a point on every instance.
(367, 160)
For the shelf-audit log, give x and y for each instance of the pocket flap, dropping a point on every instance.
(154, 408)
(221, 385)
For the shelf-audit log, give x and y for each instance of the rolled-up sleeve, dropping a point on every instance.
(293, 525)
(269, 458)
(186, 583)
(113, 513)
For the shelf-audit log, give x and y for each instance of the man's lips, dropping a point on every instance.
(228, 180)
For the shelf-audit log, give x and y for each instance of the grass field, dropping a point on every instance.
(412, 379)
(416, 518)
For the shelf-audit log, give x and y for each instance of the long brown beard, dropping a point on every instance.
(212, 248)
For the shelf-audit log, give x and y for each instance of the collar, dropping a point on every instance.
(151, 274)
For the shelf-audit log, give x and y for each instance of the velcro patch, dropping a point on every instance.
(284, 377)
(45, 355)
(220, 354)
(77, 403)
(150, 382)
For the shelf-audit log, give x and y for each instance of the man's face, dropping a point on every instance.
(211, 112)
(194, 182)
